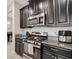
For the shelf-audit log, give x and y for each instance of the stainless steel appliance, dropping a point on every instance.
(32, 48)
(65, 36)
(28, 49)
(37, 47)
(36, 20)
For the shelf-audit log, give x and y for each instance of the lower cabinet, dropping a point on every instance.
(19, 47)
(46, 55)
(53, 52)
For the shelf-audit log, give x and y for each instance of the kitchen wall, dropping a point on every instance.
(52, 31)
(17, 17)
(9, 18)
(9, 24)
(10, 21)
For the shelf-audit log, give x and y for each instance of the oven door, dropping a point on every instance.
(25, 47)
(28, 50)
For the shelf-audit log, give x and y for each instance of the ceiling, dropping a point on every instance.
(21, 2)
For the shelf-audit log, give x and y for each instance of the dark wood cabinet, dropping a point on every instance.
(36, 7)
(63, 12)
(19, 46)
(55, 52)
(46, 55)
(51, 12)
(33, 7)
(59, 12)
(70, 11)
(24, 14)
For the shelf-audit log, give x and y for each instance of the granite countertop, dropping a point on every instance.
(53, 41)
(58, 44)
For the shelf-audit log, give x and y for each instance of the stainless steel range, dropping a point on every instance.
(37, 47)
(32, 48)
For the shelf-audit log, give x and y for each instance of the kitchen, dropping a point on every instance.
(42, 29)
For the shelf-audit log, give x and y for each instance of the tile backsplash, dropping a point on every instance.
(52, 31)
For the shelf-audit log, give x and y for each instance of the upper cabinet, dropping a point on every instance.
(59, 12)
(63, 12)
(47, 12)
(36, 7)
(24, 14)
(70, 10)
(50, 20)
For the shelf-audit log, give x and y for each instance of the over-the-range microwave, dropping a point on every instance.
(36, 20)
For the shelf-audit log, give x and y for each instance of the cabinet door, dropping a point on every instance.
(31, 7)
(21, 49)
(62, 12)
(16, 46)
(36, 7)
(24, 14)
(46, 55)
(21, 19)
(51, 12)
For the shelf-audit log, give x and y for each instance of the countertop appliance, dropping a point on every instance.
(36, 20)
(53, 52)
(65, 36)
